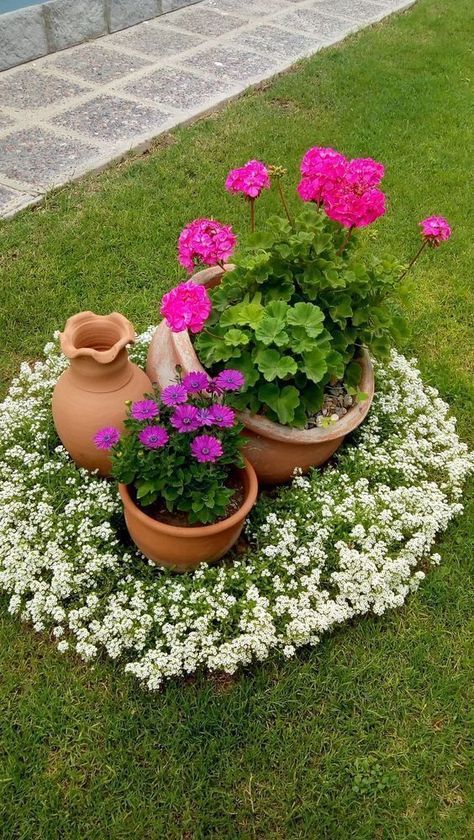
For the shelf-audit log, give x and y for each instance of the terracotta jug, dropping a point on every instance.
(92, 392)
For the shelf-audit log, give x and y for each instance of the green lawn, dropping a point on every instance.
(273, 753)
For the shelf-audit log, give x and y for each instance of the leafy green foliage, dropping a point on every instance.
(170, 478)
(295, 313)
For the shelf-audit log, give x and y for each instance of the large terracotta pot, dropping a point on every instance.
(92, 392)
(275, 451)
(183, 549)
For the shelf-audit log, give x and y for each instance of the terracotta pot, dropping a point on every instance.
(183, 549)
(275, 451)
(92, 392)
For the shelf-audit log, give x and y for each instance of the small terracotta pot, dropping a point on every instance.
(92, 392)
(275, 451)
(183, 549)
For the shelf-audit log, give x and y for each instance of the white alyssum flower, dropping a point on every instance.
(335, 544)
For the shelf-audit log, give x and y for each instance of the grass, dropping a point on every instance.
(274, 752)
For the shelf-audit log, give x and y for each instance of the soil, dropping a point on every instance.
(180, 520)
(337, 402)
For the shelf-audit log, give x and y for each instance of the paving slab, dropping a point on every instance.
(111, 119)
(75, 111)
(13, 200)
(210, 22)
(42, 158)
(232, 63)
(94, 63)
(29, 90)
(155, 40)
(178, 88)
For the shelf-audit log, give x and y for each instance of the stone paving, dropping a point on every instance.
(75, 111)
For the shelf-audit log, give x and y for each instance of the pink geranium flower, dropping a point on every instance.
(322, 169)
(434, 230)
(206, 448)
(187, 306)
(205, 241)
(352, 209)
(249, 180)
(363, 173)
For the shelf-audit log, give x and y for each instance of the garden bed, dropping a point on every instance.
(356, 538)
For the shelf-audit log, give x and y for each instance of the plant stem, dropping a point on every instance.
(284, 202)
(420, 249)
(252, 215)
(346, 240)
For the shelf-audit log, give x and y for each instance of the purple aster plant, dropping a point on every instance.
(222, 416)
(107, 437)
(195, 381)
(186, 418)
(174, 395)
(185, 462)
(228, 380)
(206, 448)
(153, 437)
(144, 410)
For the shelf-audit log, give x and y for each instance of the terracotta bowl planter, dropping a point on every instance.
(183, 549)
(275, 451)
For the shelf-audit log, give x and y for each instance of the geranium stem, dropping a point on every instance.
(252, 215)
(284, 202)
(346, 240)
(420, 249)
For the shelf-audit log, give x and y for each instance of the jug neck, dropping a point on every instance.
(90, 375)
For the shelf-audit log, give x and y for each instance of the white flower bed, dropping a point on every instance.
(341, 543)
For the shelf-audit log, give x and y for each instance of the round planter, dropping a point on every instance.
(92, 392)
(275, 451)
(183, 549)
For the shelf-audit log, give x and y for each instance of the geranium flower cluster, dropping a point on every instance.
(249, 180)
(187, 424)
(352, 540)
(434, 230)
(206, 242)
(347, 189)
(186, 307)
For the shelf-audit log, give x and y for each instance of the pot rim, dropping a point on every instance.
(201, 530)
(67, 337)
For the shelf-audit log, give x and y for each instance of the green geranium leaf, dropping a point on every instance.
(314, 364)
(236, 338)
(300, 341)
(307, 315)
(250, 314)
(248, 368)
(312, 397)
(343, 308)
(272, 364)
(335, 363)
(283, 401)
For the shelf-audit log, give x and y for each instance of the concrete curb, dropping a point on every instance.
(35, 31)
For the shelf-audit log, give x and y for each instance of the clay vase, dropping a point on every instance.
(275, 451)
(183, 549)
(92, 392)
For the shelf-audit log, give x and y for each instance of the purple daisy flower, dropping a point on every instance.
(174, 395)
(195, 381)
(206, 448)
(222, 416)
(153, 437)
(144, 410)
(186, 418)
(107, 437)
(229, 380)
(205, 418)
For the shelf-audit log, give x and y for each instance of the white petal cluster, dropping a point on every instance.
(355, 538)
